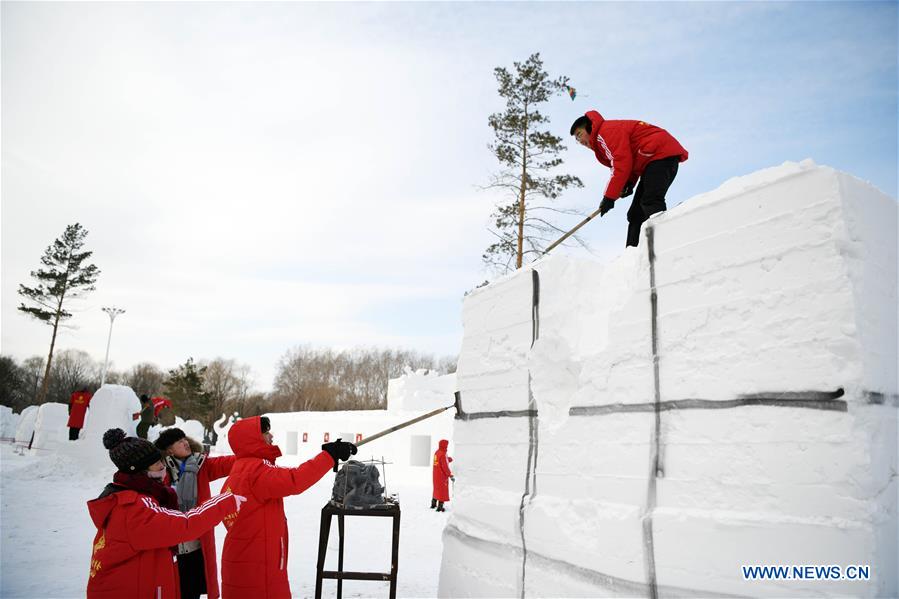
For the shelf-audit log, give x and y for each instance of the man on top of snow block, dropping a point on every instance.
(633, 150)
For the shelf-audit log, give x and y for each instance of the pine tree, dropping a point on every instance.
(64, 276)
(184, 386)
(527, 155)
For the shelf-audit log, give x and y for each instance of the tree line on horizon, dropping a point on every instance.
(310, 379)
(306, 379)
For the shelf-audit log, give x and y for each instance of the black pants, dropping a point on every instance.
(192, 572)
(649, 197)
(73, 433)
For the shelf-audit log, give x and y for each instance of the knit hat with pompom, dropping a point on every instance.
(130, 454)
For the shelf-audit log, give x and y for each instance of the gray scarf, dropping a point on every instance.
(186, 481)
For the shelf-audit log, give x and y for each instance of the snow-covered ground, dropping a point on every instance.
(46, 531)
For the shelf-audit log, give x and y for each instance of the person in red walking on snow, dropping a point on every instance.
(188, 471)
(138, 522)
(78, 404)
(634, 150)
(441, 473)
(254, 557)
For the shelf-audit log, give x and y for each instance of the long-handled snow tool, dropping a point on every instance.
(457, 403)
(571, 232)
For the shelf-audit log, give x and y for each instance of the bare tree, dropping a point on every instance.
(145, 378)
(33, 369)
(226, 381)
(320, 379)
(73, 369)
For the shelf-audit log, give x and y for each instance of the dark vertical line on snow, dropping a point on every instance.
(655, 464)
(535, 307)
(530, 481)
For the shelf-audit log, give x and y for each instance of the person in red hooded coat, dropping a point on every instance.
(254, 557)
(78, 404)
(634, 150)
(138, 522)
(441, 475)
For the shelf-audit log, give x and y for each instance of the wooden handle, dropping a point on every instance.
(402, 425)
(571, 232)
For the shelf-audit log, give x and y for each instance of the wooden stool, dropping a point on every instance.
(392, 510)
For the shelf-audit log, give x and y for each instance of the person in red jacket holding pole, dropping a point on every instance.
(634, 150)
(78, 404)
(138, 521)
(440, 474)
(188, 471)
(254, 557)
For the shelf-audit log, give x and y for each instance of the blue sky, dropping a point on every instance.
(256, 176)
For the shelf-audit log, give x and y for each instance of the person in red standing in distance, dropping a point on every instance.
(441, 474)
(634, 150)
(78, 404)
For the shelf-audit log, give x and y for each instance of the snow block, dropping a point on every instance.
(112, 406)
(723, 396)
(50, 430)
(9, 421)
(25, 427)
(420, 390)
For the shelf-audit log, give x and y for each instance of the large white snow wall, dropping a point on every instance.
(724, 395)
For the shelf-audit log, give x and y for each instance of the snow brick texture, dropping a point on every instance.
(613, 445)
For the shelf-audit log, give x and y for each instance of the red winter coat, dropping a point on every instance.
(132, 556)
(441, 472)
(78, 403)
(254, 558)
(210, 469)
(627, 147)
(159, 403)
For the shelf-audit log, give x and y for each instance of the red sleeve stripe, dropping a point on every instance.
(194, 512)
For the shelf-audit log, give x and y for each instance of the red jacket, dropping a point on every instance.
(78, 403)
(210, 469)
(132, 556)
(441, 472)
(254, 558)
(159, 403)
(627, 147)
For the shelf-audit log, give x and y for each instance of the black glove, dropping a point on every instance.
(339, 450)
(627, 190)
(605, 205)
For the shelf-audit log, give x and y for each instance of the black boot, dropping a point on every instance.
(433, 503)
(440, 507)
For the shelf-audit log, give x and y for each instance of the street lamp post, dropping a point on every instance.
(113, 312)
